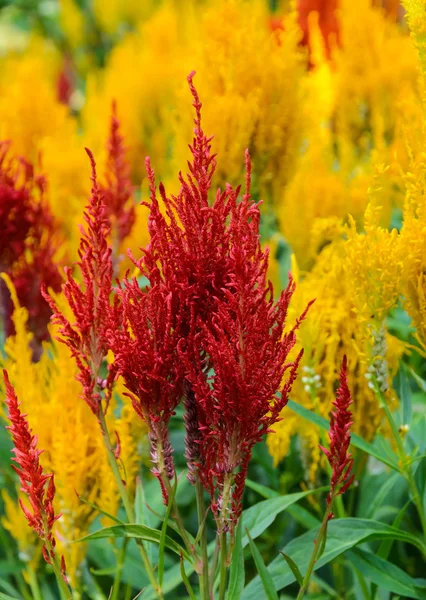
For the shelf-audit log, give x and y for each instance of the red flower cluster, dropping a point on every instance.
(206, 325)
(117, 191)
(89, 301)
(28, 239)
(38, 486)
(339, 458)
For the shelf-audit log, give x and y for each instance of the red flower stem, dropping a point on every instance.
(126, 502)
(319, 543)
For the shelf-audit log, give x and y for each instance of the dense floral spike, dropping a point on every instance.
(144, 347)
(245, 345)
(117, 191)
(28, 239)
(206, 269)
(89, 301)
(340, 422)
(38, 486)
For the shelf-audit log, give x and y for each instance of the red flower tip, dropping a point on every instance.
(339, 458)
(38, 486)
(90, 300)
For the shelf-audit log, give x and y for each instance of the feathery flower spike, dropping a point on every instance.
(117, 191)
(339, 458)
(38, 486)
(90, 301)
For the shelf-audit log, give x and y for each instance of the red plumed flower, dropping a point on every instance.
(117, 190)
(89, 301)
(38, 486)
(245, 347)
(339, 458)
(206, 268)
(27, 244)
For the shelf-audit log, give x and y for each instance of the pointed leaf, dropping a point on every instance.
(294, 568)
(343, 534)
(236, 576)
(265, 576)
(133, 530)
(385, 575)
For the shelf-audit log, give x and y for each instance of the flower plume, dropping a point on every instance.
(89, 300)
(38, 486)
(339, 458)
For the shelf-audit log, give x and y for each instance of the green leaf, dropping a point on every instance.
(133, 530)
(257, 518)
(262, 490)
(236, 576)
(98, 509)
(5, 585)
(382, 494)
(294, 568)
(343, 535)
(265, 576)
(5, 597)
(164, 533)
(185, 579)
(385, 575)
(356, 440)
(405, 396)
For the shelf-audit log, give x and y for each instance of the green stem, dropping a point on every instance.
(406, 467)
(226, 496)
(119, 570)
(214, 566)
(35, 589)
(64, 590)
(318, 544)
(223, 566)
(201, 511)
(126, 502)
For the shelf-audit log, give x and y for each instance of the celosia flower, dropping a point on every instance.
(117, 190)
(89, 301)
(28, 239)
(38, 486)
(339, 458)
(245, 345)
(144, 346)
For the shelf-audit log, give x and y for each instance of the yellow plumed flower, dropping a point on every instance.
(415, 13)
(373, 263)
(254, 78)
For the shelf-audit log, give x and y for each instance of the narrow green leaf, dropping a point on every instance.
(386, 545)
(257, 518)
(343, 535)
(356, 440)
(186, 580)
(5, 585)
(405, 396)
(262, 490)
(382, 494)
(294, 568)
(100, 510)
(133, 530)
(384, 574)
(236, 576)
(5, 597)
(164, 533)
(265, 576)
